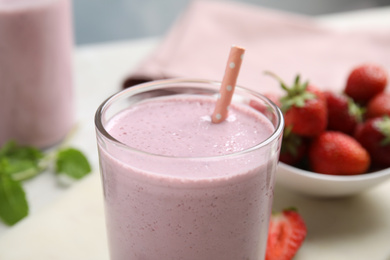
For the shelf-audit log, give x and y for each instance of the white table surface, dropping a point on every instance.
(68, 223)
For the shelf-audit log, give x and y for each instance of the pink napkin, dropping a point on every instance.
(199, 42)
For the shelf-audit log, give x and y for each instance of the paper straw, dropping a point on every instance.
(228, 84)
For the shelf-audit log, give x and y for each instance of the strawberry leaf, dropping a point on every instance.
(355, 110)
(296, 94)
(297, 100)
(384, 127)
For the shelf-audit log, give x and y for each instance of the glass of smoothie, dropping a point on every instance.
(36, 71)
(176, 185)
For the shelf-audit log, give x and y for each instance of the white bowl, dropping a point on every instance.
(323, 185)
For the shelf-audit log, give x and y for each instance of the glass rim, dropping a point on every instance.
(156, 84)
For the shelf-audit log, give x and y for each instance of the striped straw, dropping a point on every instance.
(228, 84)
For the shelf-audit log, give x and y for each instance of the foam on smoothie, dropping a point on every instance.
(182, 127)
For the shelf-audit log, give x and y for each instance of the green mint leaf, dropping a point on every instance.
(12, 149)
(22, 161)
(13, 203)
(18, 163)
(73, 163)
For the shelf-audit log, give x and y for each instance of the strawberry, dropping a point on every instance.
(304, 108)
(365, 81)
(343, 113)
(374, 135)
(379, 105)
(293, 149)
(287, 231)
(337, 153)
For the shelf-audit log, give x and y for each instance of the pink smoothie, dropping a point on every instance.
(210, 207)
(36, 103)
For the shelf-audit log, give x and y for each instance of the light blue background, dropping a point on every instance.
(108, 20)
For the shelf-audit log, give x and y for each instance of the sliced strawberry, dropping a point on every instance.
(287, 231)
(366, 81)
(343, 113)
(379, 105)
